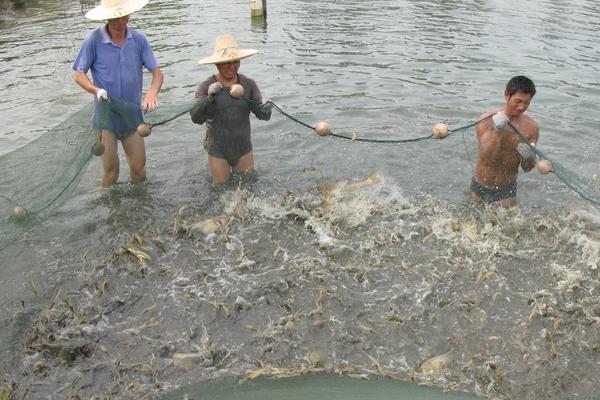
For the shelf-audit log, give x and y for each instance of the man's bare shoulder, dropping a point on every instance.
(485, 124)
(488, 114)
(529, 127)
(530, 122)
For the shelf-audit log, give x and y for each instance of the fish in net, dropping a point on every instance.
(37, 178)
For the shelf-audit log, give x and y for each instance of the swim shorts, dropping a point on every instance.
(232, 152)
(493, 195)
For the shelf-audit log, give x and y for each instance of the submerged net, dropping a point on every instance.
(37, 178)
(40, 176)
(586, 189)
(338, 280)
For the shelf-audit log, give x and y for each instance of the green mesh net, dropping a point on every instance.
(585, 189)
(37, 178)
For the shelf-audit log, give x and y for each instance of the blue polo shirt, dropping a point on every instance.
(118, 70)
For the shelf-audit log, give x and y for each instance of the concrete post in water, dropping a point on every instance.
(258, 8)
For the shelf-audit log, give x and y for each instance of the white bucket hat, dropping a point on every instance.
(227, 50)
(109, 9)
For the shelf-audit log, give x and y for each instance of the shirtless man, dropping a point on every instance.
(501, 149)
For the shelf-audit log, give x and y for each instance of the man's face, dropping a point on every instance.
(118, 24)
(228, 70)
(517, 104)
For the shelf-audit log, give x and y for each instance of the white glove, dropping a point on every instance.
(101, 94)
(266, 103)
(500, 120)
(525, 151)
(214, 89)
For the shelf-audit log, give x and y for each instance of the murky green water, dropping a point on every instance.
(367, 282)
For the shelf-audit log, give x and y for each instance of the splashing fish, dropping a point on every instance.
(348, 186)
(210, 225)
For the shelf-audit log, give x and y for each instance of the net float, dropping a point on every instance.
(143, 129)
(544, 166)
(440, 130)
(19, 213)
(322, 128)
(236, 91)
(98, 149)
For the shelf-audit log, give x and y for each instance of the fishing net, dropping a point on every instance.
(38, 177)
(586, 189)
(208, 290)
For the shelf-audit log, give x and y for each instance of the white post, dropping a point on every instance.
(256, 8)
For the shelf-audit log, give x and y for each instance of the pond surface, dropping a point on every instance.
(306, 269)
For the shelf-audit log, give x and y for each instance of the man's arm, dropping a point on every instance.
(527, 163)
(82, 80)
(151, 99)
(205, 100)
(486, 133)
(259, 106)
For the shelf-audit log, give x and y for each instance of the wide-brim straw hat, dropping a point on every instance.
(109, 9)
(227, 50)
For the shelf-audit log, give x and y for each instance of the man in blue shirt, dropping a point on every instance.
(116, 55)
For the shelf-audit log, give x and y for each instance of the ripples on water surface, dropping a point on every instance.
(372, 281)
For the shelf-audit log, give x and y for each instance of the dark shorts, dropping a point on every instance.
(118, 117)
(493, 195)
(120, 136)
(232, 153)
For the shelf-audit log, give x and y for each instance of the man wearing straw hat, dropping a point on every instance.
(501, 147)
(227, 118)
(116, 55)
